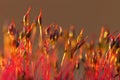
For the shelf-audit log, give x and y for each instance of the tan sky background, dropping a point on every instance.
(90, 14)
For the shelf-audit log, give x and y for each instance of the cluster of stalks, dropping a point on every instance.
(77, 59)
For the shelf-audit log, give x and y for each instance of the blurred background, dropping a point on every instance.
(90, 14)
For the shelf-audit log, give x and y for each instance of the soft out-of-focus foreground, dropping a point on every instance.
(61, 54)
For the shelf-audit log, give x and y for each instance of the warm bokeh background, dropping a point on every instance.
(90, 14)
